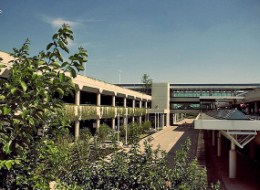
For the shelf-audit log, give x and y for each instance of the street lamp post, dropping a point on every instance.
(118, 128)
(126, 123)
(155, 121)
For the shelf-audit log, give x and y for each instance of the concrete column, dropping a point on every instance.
(256, 107)
(97, 123)
(155, 121)
(140, 120)
(77, 97)
(125, 121)
(158, 120)
(98, 98)
(113, 123)
(163, 120)
(133, 119)
(124, 102)
(213, 138)
(232, 161)
(252, 150)
(76, 131)
(77, 122)
(146, 115)
(113, 100)
(219, 144)
(167, 119)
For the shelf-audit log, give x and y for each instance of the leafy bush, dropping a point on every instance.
(139, 170)
(103, 132)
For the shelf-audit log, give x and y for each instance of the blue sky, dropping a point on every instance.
(176, 41)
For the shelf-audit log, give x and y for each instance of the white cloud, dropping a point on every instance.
(58, 22)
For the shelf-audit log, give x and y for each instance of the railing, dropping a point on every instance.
(86, 112)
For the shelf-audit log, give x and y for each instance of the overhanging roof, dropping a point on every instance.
(203, 121)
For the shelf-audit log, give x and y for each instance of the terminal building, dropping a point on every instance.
(223, 110)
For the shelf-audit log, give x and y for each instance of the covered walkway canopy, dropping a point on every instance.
(232, 124)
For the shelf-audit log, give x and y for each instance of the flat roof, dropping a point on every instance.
(205, 122)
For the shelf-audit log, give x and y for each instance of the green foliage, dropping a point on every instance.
(108, 112)
(31, 99)
(104, 132)
(134, 130)
(88, 112)
(121, 110)
(70, 112)
(137, 170)
(140, 111)
(147, 83)
(131, 111)
(147, 125)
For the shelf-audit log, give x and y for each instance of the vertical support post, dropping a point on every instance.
(113, 123)
(163, 121)
(118, 128)
(113, 101)
(158, 120)
(98, 123)
(232, 161)
(77, 122)
(146, 114)
(155, 123)
(213, 138)
(124, 102)
(126, 128)
(256, 107)
(98, 98)
(219, 144)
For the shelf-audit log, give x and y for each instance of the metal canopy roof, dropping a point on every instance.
(228, 114)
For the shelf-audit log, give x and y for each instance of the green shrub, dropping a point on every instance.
(104, 132)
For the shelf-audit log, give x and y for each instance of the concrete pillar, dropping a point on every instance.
(232, 161)
(174, 118)
(140, 120)
(124, 102)
(256, 107)
(162, 120)
(113, 100)
(77, 122)
(158, 120)
(98, 98)
(145, 105)
(76, 131)
(113, 123)
(219, 144)
(97, 123)
(133, 104)
(167, 119)
(213, 138)
(252, 150)
(125, 121)
(155, 121)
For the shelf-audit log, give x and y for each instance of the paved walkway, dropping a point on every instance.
(171, 138)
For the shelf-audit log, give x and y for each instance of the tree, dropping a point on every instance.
(32, 99)
(147, 83)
